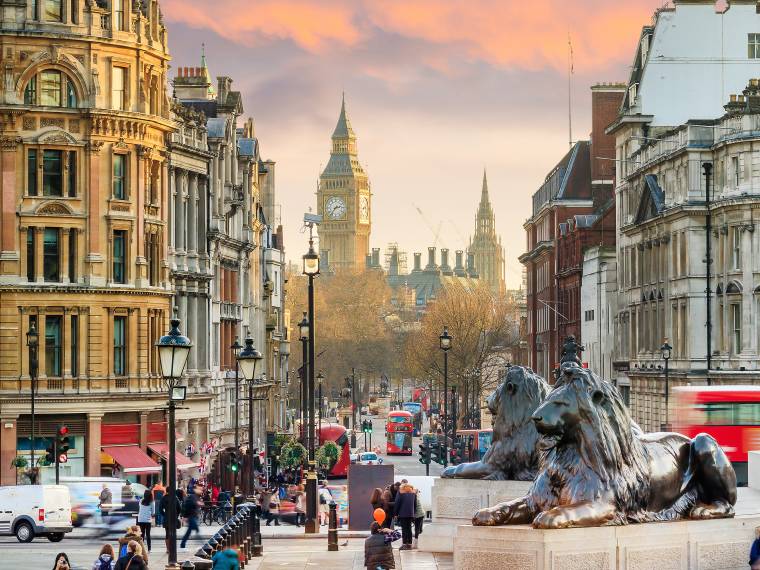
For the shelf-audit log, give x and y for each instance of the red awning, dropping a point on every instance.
(132, 459)
(183, 462)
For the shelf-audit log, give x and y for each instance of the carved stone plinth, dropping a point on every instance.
(721, 544)
(455, 501)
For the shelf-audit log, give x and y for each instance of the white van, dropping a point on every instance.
(27, 511)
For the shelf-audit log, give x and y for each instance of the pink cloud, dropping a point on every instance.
(505, 33)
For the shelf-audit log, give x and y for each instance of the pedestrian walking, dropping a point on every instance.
(419, 517)
(190, 509)
(61, 562)
(387, 505)
(754, 553)
(105, 499)
(133, 535)
(106, 560)
(158, 493)
(404, 509)
(226, 560)
(300, 500)
(376, 499)
(325, 498)
(134, 559)
(274, 508)
(145, 516)
(378, 547)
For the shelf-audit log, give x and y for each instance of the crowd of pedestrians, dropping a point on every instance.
(401, 505)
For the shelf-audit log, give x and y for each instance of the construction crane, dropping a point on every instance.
(435, 231)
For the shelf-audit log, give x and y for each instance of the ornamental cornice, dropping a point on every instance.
(75, 288)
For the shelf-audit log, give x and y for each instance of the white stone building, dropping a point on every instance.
(598, 307)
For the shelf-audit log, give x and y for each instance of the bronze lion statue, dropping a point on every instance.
(514, 450)
(599, 469)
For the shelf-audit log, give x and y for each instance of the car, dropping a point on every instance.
(369, 458)
(29, 511)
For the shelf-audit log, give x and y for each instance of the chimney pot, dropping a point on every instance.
(733, 98)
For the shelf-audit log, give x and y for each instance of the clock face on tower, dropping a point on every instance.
(364, 209)
(335, 208)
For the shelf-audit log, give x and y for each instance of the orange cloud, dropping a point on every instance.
(507, 33)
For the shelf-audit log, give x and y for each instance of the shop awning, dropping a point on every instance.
(132, 459)
(162, 449)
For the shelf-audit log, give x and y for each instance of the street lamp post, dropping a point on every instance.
(247, 359)
(32, 341)
(303, 329)
(320, 379)
(311, 270)
(173, 350)
(445, 344)
(235, 347)
(666, 350)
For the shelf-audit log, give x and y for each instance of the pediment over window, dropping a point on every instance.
(56, 136)
(734, 288)
(53, 209)
(652, 200)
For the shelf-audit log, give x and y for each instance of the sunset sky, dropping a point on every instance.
(436, 90)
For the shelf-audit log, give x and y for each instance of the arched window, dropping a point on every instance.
(50, 88)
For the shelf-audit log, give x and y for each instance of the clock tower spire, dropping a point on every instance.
(344, 200)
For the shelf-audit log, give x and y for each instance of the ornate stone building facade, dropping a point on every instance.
(344, 200)
(83, 231)
(486, 246)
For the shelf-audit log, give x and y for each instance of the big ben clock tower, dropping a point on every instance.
(344, 200)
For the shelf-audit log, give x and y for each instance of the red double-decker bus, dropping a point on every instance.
(731, 414)
(398, 432)
(337, 433)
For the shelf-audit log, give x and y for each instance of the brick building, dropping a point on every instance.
(571, 211)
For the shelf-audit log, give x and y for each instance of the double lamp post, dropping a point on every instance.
(445, 344)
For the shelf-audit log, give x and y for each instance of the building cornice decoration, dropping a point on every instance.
(56, 136)
(53, 209)
(9, 143)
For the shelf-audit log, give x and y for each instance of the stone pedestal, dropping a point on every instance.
(455, 501)
(721, 544)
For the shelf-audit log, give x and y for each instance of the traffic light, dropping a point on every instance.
(50, 453)
(63, 443)
(367, 426)
(424, 454)
(435, 453)
(234, 462)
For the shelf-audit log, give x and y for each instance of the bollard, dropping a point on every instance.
(248, 516)
(258, 547)
(332, 530)
(187, 565)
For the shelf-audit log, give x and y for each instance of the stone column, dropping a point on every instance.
(94, 255)
(179, 214)
(66, 343)
(93, 444)
(192, 213)
(65, 253)
(39, 242)
(181, 297)
(202, 217)
(41, 370)
(9, 146)
(83, 342)
(171, 197)
(80, 255)
(143, 435)
(192, 328)
(8, 440)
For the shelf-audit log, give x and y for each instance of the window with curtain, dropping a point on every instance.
(118, 88)
(31, 172)
(53, 10)
(53, 359)
(74, 338)
(120, 346)
(71, 180)
(119, 176)
(118, 14)
(52, 173)
(51, 252)
(31, 256)
(120, 256)
(73, 256)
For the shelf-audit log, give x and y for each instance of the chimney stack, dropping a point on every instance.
(417, 261)
(393, 267)
(445, 269)
(471, 271)
(459, 270)
(431, 266)
(376, 257)
(368, 260)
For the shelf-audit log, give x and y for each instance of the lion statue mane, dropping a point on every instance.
(599, 469)
(514, 452)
